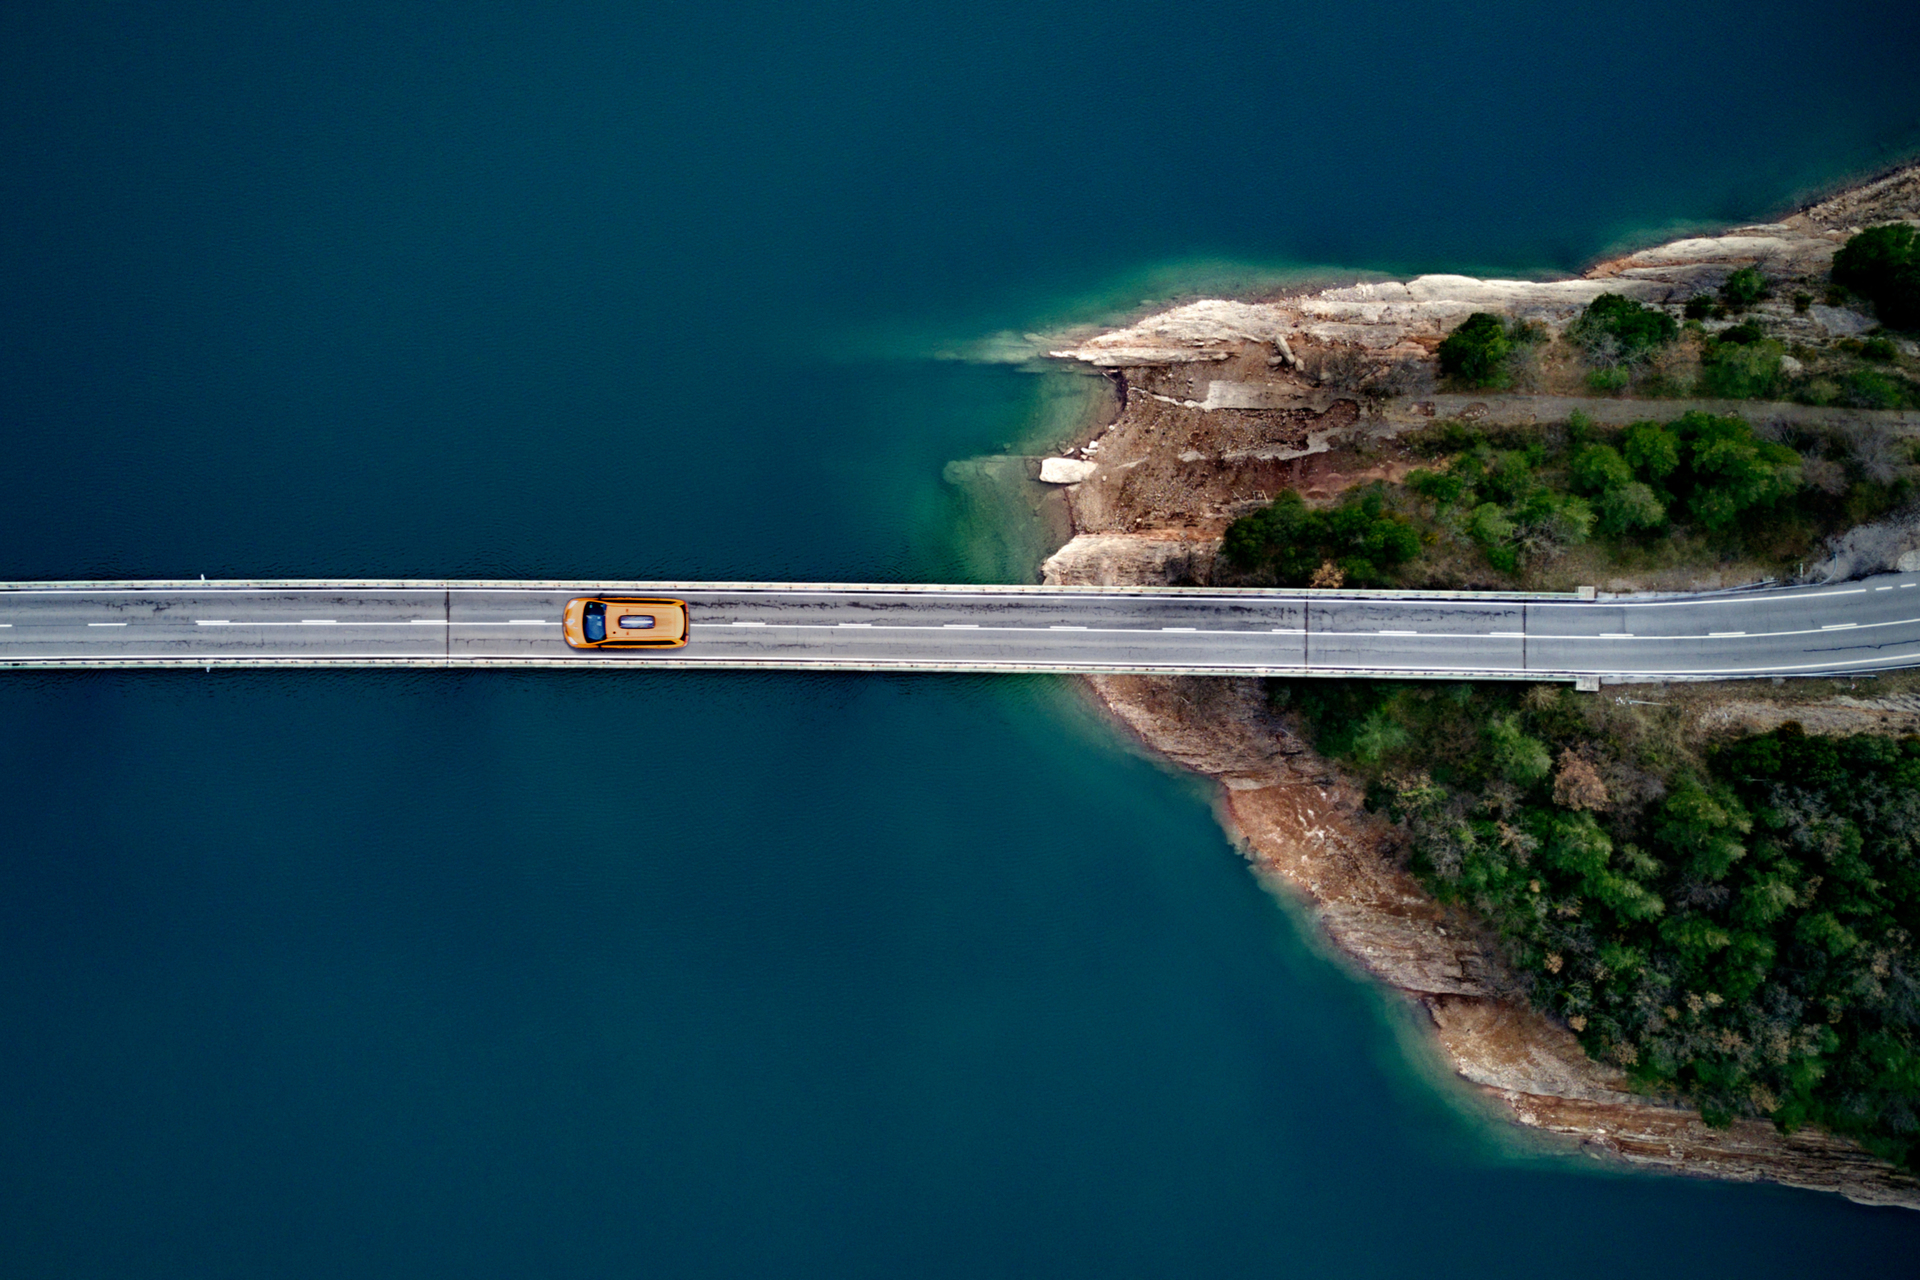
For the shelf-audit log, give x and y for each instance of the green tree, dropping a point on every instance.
(1762, 964)
(1547, 523)
(1291, 540)
(1883, 264)
(1490, 525)
(1868, 258)
(1597, 468)
(1616, 330)
(1705, 826)
(1475, 354)
(1732, 470)
(1744, 288)
(1515, 756)
(1378, 737)
(1631, 507)
(1742, 371)
(1652, 450)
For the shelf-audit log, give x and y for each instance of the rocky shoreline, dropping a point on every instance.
(1219, 409)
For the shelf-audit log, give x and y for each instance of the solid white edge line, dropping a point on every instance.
(427, 659)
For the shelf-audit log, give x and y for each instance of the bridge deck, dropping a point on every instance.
(1853, 627)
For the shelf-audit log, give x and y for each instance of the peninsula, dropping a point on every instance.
(1576, 888)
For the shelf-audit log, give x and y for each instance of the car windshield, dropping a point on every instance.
(636, 621)
(596, 622)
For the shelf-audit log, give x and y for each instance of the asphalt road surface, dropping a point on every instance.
(1847, 628)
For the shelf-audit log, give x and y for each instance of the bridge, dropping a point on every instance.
(1847, 628)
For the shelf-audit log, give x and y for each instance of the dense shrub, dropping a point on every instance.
(1713, 472)
(1475, 354)
(1743, 288)
(1501, 502)
(1739, 928)
(1356, 543)
(1741, 365)
(1883, 265)
(1624, 503)
(1872, 389)
(1722, 470)
(1614, 330)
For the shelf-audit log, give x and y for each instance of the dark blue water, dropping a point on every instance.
(576, 974)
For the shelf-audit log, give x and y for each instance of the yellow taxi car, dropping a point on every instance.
(625, 622)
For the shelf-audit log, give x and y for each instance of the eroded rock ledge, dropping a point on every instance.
(1149, 500)
(1393, 318)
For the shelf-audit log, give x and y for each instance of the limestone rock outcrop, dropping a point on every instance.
(1409, 317)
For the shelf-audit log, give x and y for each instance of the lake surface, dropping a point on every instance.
(582, 974)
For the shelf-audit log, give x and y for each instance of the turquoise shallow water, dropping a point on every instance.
(568, 974)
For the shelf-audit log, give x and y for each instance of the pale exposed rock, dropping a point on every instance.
(1839, 321)
(1066, 470)
(1746, 1151)
(1383, 315)
(1198, 331)
(1778, 248)
(1790, 366)
(1124, 357)
(1124, 559)
(1504, 1044)
(1890, 197)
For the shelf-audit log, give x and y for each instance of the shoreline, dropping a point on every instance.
(1214, 412)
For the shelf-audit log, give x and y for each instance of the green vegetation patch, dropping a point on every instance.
(1736, 926)
(1510, 501)
(1356, 543)
(1744, 288)
(1518, 505)
(1615, 331)
(1505, 503)
(1479, 353)
(1882, 264)
(1742, 363)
